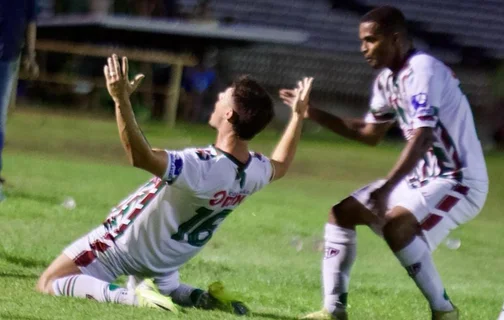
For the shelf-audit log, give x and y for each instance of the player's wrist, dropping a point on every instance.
(297, 116)
(121, 99)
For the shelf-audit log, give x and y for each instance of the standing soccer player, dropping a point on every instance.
(168, 220)
(438, 183)
(17, 30)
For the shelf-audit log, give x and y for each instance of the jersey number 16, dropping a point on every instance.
(206, 225)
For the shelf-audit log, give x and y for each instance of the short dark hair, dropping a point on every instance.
(254, 108)
(389, 19)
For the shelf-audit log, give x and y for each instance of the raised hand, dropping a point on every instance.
(298, 98)
(118, 84)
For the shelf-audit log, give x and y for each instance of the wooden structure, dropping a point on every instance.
(177, 61)
(162, 41)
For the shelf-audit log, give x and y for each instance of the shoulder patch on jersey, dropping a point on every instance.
(419, 100)
(422, 107)
(176, 165)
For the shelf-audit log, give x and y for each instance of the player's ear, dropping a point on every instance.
(231, 115)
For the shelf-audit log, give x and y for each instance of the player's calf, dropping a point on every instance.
(63, 278)
(400, 232)
(340, 251)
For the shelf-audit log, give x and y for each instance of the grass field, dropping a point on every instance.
(50, 157)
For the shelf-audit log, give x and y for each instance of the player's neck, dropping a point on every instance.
(229, 143)
(402, 60)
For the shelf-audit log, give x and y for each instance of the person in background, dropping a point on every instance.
(17, 33)
(197, 82)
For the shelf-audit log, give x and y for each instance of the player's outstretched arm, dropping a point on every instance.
(139, 152)
(355, 129)
(284, 152)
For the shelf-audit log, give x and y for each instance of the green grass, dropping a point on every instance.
(50, 157)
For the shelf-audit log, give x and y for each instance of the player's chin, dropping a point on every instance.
(211, 122)
(374, 64)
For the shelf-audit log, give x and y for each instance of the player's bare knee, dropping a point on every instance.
(350, 213)
(44, 284)
(400, 231)
(341, 214)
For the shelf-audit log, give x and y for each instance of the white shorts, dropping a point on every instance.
(97, 256)
(440, 206)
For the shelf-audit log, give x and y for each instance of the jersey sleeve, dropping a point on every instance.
(183, 170)
(380, 110)
(425, 98)
(266, 170)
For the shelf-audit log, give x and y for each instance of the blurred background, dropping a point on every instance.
(192, 49)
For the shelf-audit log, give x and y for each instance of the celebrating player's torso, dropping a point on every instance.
(425, 93)
(167, 221)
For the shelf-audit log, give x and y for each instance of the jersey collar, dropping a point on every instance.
(238, 163)
(241, 167)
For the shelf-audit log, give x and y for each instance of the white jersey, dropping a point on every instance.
(167, 221)
(425, 93)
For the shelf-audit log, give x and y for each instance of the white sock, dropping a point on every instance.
(340, 253)
(417, 260)
(501, 315)
(82, 286)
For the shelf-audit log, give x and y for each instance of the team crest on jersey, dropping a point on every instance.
(330, 252)
(414, 269)
(175, 169)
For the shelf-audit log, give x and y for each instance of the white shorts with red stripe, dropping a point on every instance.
(439, 206)
(96, 255)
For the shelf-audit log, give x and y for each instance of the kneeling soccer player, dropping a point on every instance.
(167, 221)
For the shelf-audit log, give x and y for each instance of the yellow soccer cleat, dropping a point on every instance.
(219, 298)
(446, 315)
(148, 296)
(325, 315)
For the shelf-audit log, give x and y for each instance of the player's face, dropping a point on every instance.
(223, 108)
(378, 49)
